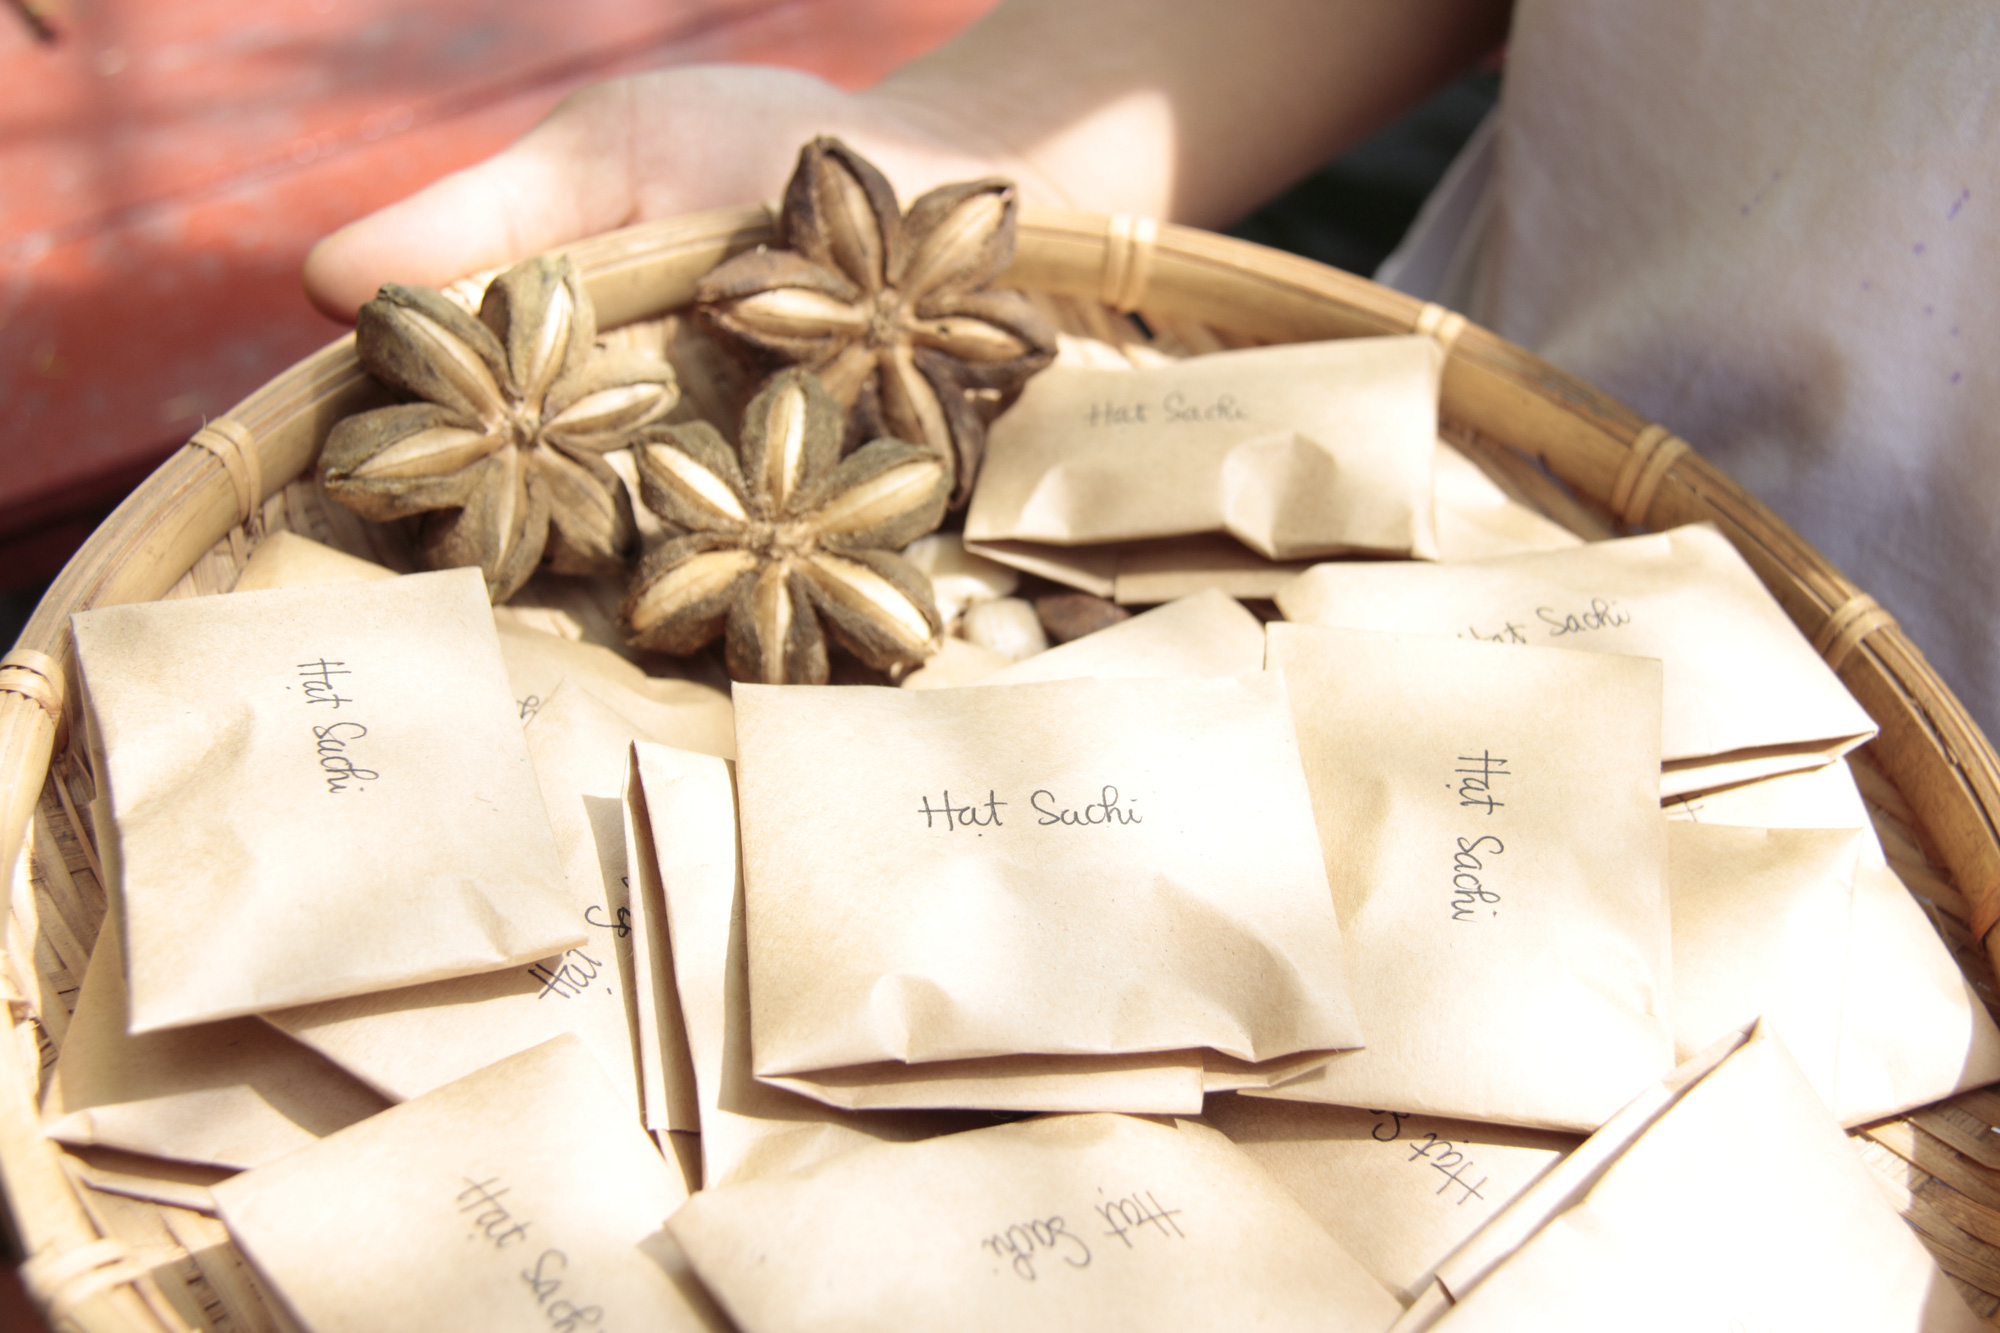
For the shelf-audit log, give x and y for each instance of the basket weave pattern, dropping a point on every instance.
(100, 1260)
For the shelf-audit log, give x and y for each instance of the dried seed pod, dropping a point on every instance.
(888, 309)
(786, 541)
(506, 453)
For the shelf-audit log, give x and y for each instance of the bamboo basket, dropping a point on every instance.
(100, 1259)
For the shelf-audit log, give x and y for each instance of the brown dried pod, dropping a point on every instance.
(505, 456)
(785, 541)
(889, 309)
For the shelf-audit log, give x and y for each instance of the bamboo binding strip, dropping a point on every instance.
(1941, 779)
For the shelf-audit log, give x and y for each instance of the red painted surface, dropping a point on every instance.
(165, 164)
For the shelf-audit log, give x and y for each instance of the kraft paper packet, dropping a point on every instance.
(325, 786)
(1399, 1192)
(409, 1041)
(287, 560)
(1091, 890)
(1071, 1222)
(685, 806)
(1746, 695)
(516, 1198)
(230, 1094)
(685, 712)
(1498, 860)
(1477, 520)
(1722, 1198)
(1818, 798)
(1205, 634)
(1301, 450)
(754, 1126)
(1835, 956)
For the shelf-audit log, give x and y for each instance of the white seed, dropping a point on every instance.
(1008, 626)
(959, 578)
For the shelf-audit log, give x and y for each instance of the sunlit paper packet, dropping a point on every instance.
(679, 712)
(1301, 450)
(1070, 1222)
(409, 1041)
(1498, 859)
(1204, 634)
(1746, 695)
(293, 776)
(1476, 520)
(1722, 1197)
(684, 809)
(232, 1094)
(1837, 958)
(1042, 872)
(518, 1198)
(1399, 1191)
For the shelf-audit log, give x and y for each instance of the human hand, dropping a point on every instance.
(630, 150)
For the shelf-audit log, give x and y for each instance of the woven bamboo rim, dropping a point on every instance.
(1577, 454)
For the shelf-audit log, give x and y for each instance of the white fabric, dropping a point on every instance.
(1775, 228)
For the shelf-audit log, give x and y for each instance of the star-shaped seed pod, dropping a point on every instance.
(786, 541)
(888, 309)
(505, 450)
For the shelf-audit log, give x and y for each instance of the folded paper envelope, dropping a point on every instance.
(232, 1094)
(1070, 1222)
(416, 1038)
(1300, 450)
(1476, 520)
(1675, 1218)
(1399, 1191)
(1746, 695)
(1821, 798)
(517, 1198)
(1497, 854)
(685, 812)
(325, 786)
(1204, 634)
(1058, 869)
(683, 713)
(1837, 958)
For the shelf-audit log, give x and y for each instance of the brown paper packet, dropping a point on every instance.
(1510, 960)
(232, 1094)
(1725, 1198)
(683, 713)
(515, 1198)
(294, 775)
(1477, 520)
(1299, 450)
(1091, 893)
(686, 806)
(1821, 798)
(1837, 958)
(287, 560)
(1746, 695)
(1399, 1192)
(1144, 1083)
(154, 1179)
(666, 1058)
(1071, 1222)
(1205, 634)
(410, 1041)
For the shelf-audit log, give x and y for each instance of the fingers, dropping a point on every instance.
(566, 178)
(630, 150)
